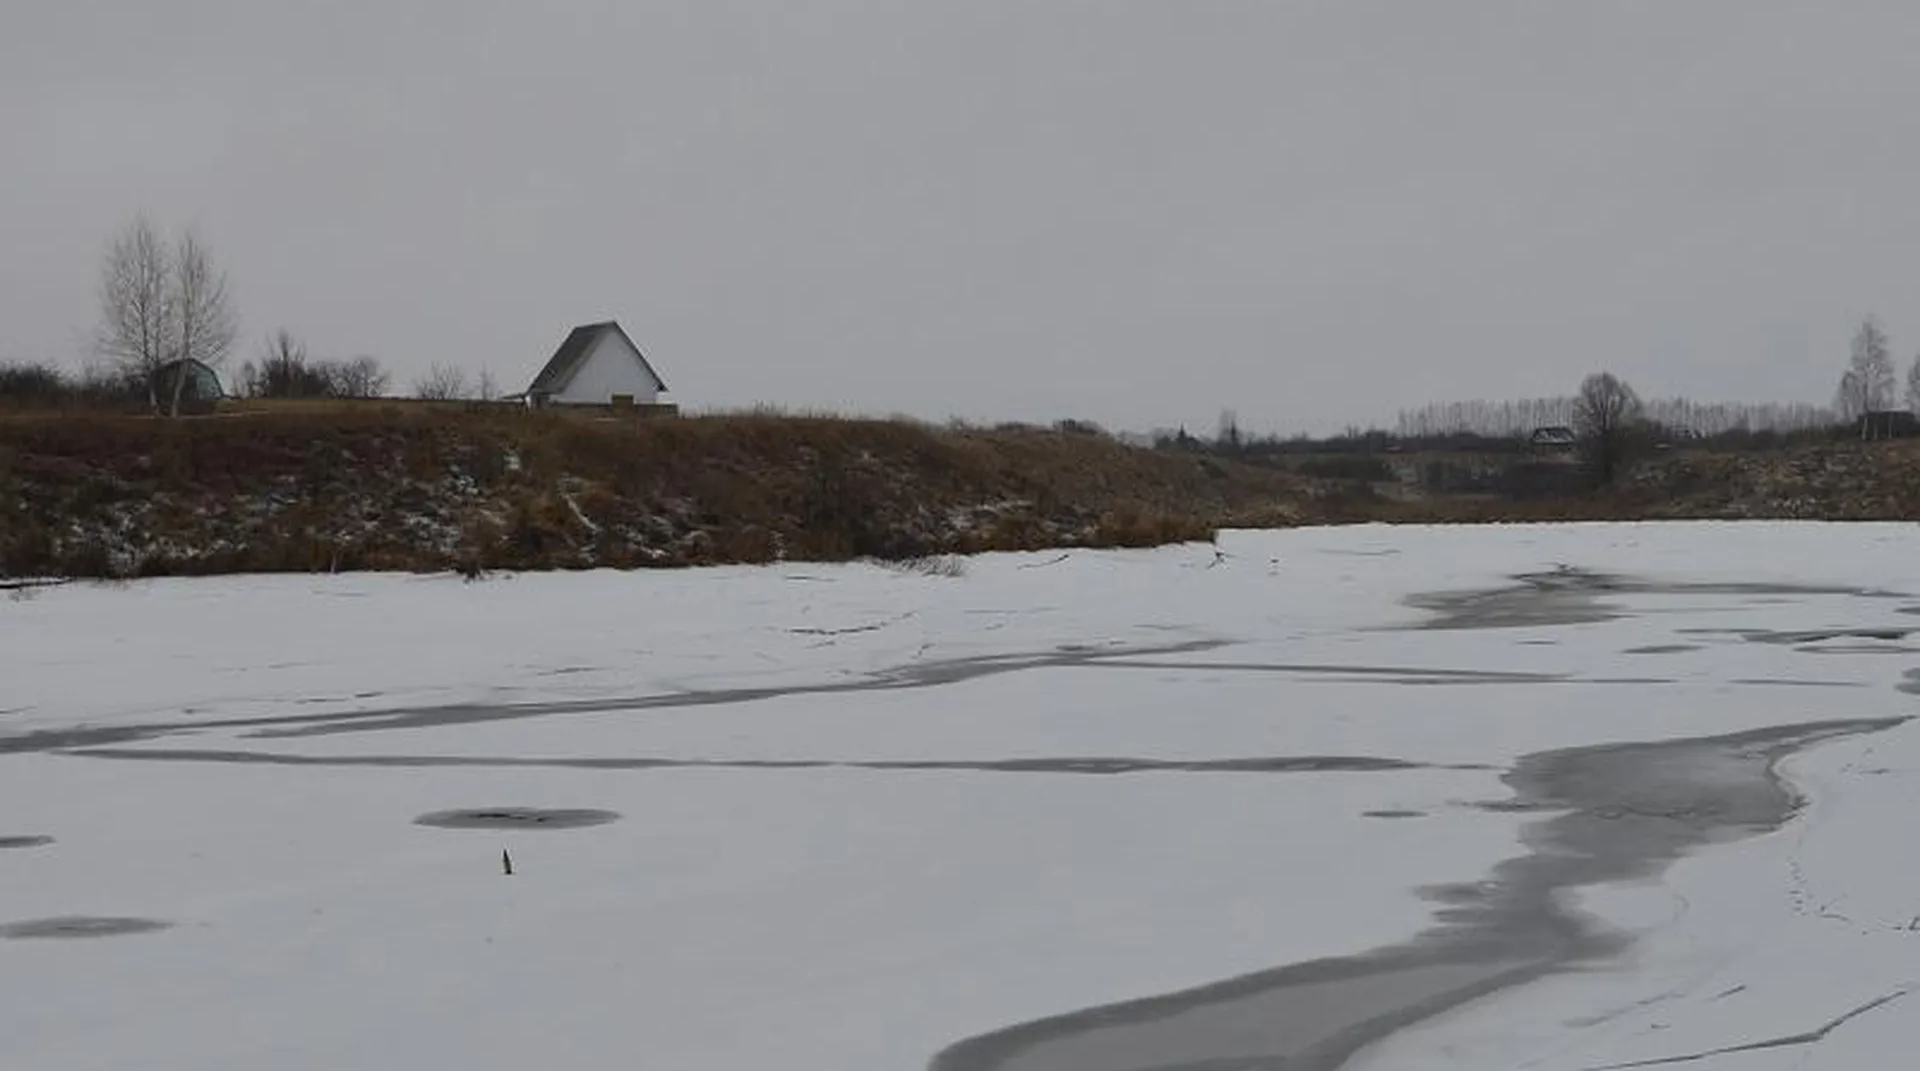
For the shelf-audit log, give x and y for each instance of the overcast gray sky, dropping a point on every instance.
(1133, 212)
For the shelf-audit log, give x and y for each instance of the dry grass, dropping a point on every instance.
(407, 485)
(330, 486)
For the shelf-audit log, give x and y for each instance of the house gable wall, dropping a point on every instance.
(612, 367)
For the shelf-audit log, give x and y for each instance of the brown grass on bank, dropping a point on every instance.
(403, 485)
(427, 487)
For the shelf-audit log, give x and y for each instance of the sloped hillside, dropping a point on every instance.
(1854, 481)
(379, 487)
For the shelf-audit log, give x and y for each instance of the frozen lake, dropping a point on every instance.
(1552, 797)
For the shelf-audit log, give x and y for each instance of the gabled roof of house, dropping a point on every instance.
(192, 364)
(566, 360)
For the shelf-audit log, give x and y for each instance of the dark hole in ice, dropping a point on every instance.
(1807, 636)
(1459, 892)
(1516, 806)
(24, 842)
(1393, 812)
(73, 926)
(516, 818)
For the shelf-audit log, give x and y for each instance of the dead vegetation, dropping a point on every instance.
(427, 488)
(325, 486)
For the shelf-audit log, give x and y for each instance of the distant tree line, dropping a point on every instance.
(1514, 419)
(1607, 420)
(1610, 421)
(43, 386)
(1869, 384)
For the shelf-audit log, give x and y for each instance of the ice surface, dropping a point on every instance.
(865, 813)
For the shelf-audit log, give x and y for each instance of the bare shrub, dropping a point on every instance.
(358, 377)
(443, 382)
(285, 370)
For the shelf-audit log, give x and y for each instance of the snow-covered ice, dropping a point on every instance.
(868, 813)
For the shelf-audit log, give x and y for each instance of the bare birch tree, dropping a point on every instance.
(1913, 385)
(160, 304)
(137, 325)
(207, 322)
(1869, 383)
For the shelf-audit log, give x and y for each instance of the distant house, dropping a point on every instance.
(199, 393)
(1555, 438)
(597, 365)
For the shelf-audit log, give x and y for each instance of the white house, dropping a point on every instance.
(597, 365)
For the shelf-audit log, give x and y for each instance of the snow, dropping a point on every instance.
(1776, 936)
(865, 916)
